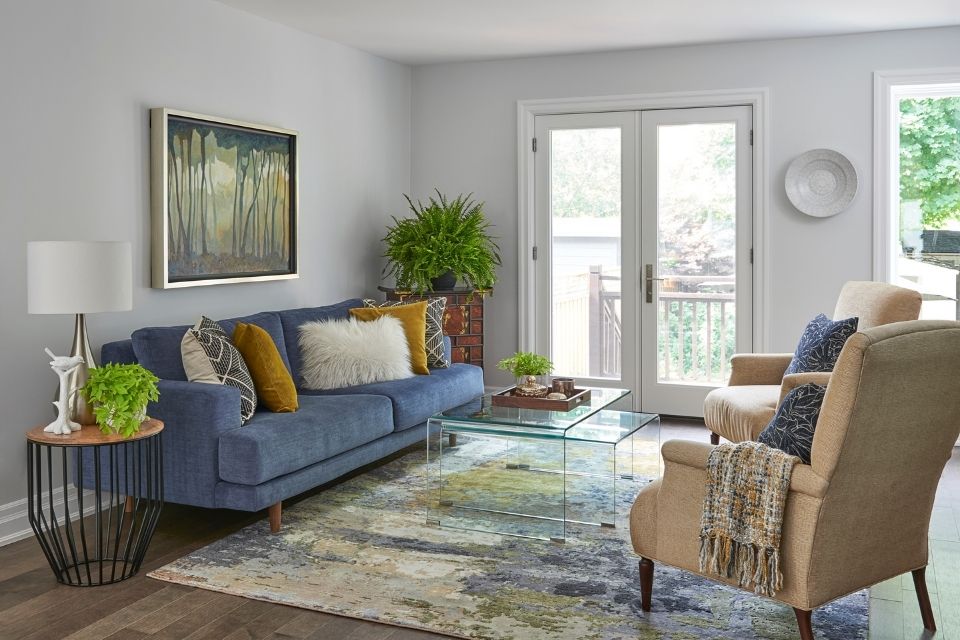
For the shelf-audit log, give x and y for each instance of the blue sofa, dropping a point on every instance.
(210, 460)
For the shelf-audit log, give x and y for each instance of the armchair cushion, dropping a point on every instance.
(821, 343)
(740, 413)
(791, 429)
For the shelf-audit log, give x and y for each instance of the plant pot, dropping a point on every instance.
(445, 282)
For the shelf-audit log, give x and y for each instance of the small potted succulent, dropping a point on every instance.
(119, 394)
(530, 369)
(445, 241)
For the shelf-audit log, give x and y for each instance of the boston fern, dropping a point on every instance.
(526, 363)
(119, 394)
(444, 235)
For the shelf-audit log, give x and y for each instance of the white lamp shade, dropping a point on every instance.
(79, 277)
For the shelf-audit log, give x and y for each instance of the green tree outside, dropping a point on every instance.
(930, 157)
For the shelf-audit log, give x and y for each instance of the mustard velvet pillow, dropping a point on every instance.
(413, 317)
(273, 382)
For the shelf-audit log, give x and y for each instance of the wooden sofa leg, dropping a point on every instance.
(926, 611)
(646, 583)
(275, 511)
(805, 623)
(714, 438)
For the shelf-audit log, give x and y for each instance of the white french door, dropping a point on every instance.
(696, 235)
(585, 230)
(642, 251)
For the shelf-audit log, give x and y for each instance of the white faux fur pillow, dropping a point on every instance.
(345, 353)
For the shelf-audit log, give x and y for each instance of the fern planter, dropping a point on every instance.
(445, 241)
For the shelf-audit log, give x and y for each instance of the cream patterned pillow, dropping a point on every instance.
(436, 356)
(210, 357)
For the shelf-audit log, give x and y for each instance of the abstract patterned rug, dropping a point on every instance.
(364, 549)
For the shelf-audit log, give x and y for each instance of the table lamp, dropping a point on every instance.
(79, 277)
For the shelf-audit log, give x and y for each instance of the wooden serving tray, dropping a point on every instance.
(506, 398)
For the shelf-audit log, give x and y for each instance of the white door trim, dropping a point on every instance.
(888, 85)
(527, 110)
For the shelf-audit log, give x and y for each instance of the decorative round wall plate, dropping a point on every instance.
(821, 182)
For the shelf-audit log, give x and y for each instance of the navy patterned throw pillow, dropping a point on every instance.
(821, 343)
(791, 429)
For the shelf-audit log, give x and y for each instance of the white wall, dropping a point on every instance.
(76, 82)
(464, 139)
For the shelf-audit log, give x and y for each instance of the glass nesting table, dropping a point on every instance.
(532, 473)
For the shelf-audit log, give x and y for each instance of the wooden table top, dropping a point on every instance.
(90, 435)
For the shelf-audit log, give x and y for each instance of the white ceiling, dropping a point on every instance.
(430, 31)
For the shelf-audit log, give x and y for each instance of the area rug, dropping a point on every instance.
(366, 549)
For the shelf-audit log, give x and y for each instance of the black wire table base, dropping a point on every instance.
(118, 485)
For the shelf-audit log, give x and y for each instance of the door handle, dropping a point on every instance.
(648, 276)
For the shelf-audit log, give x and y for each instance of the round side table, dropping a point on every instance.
(119, 479)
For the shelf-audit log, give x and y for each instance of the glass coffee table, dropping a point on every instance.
(531, 472)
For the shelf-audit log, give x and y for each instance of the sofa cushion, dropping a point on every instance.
(272, 379)
(274, 444)
(291, 319)
(210, 357)
(416, 399)
(158, 348)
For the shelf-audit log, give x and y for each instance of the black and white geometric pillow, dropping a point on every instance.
(821, 343)
(209, 356)
(793, 424)
(436, 356)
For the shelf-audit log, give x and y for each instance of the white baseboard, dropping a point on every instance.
(14, 524)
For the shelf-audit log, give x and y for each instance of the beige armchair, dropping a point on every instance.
(859, 513)
(741, 410)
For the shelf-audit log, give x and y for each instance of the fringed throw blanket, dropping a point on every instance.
(743, 512)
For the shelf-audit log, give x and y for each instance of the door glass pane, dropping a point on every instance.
(696, 250)
(585, 188)
(928, 259)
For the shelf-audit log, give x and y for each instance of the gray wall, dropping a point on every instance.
(76, 81)
(464, 139)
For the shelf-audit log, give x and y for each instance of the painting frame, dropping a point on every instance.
(170, 270)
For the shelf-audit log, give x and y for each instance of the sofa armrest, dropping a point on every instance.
(695, 454)
(793, 380)
(195, 415)
(758, 368)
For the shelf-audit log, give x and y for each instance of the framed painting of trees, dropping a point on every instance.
(224, 200)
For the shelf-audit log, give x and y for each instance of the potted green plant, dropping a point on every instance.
(119, 394)
(529, 369)
(444, 241)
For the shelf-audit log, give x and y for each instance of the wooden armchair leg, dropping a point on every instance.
(805, 623)
(714, 438)
(646, 583)
(926, 611)
(275, 511)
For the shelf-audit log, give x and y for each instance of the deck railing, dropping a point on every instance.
(695, 334)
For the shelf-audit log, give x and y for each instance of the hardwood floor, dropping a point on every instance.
(34, 607)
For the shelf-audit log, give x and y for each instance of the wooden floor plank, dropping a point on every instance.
(198, 618)
(264, 625)
(305, 624)
(221, 627)
(153, 622)
(886, 620)
(171, 595)
(947, 555)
